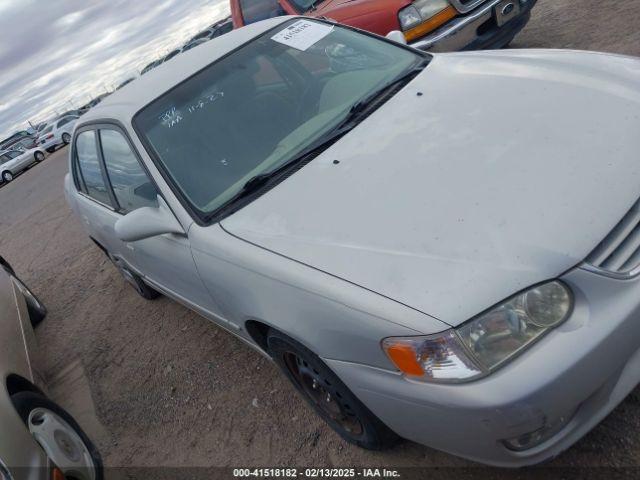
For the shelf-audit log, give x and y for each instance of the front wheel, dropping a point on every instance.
(7, 176)
(329, 397)
(66, 138)
(60, 436)
(144, 290)
(38, 156)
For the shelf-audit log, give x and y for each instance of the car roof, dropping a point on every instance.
(124, 103)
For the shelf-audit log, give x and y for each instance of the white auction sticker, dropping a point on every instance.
(302, 34)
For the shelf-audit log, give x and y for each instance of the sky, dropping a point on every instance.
(57, 54)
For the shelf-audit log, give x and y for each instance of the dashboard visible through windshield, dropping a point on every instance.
(257, 108)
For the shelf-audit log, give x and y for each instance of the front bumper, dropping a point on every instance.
(476, 30)
(582, 369)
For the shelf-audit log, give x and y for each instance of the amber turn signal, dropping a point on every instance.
(431, 24)
(405, 358)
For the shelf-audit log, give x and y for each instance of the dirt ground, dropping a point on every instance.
(155, 384)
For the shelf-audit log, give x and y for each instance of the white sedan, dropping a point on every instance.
(12, 162)
(444, 248)
(58, 133)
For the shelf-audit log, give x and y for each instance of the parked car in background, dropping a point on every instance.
(57, 133)
(126, 82)
(76, 112)
(420, 261)
(221, 27)
(151, 66)
(434, 25)
(22, 138)
(39, 439)
(204, 34)
(171, 54)
(194, 43)
(24, 143)
(12, 162)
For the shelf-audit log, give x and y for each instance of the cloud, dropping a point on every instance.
(60, 54)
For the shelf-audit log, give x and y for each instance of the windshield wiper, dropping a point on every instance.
(258, 182)
(359, 109)
(362, 107)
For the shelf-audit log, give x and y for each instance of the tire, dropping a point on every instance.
(59, 435)
(7, 176)
(8, 268)
(328, 395)
(144, 290)
(37, 311)
(38, 156)
(66, 138)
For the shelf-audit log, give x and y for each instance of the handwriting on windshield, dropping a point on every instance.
(173, 116)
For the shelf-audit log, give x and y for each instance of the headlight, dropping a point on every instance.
(486, 342)
(420, 11)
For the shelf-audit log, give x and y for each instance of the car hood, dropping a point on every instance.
(378, 16)
(488, 173)
(328, 6)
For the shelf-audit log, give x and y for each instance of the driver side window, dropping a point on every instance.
(89, 173)
(131, 185)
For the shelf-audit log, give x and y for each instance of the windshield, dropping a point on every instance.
(259, 107)
(305, 5)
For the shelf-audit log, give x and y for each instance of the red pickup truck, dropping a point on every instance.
(435, 25)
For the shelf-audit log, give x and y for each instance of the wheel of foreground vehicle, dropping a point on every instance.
(37, 311)
(66, 138)
(144, 290)
(59, 435)
(326, 393)
(7, 176)
(38, 156)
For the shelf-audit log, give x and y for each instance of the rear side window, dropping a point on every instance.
(256, 10)
(131, 185)
(89, 171)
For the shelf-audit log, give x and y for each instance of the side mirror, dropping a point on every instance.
(147, 222)
(397, 36)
